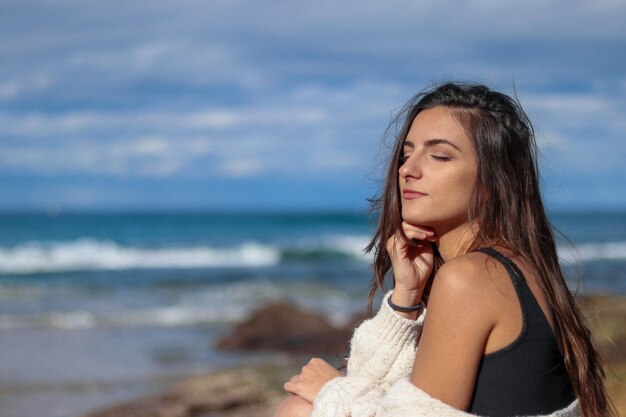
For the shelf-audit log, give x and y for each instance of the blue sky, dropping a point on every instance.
(248, 105)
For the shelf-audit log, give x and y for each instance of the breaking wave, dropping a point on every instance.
(89, 255)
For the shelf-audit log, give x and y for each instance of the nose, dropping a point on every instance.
(410, 168)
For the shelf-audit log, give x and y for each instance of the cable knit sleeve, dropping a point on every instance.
(382, 351)
(387, 334)
(404, 399)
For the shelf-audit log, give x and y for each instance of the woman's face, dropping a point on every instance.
(438, 171)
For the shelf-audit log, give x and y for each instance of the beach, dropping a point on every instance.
(256, 390)
(101, 309)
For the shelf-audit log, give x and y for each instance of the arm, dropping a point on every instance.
(390, 336)
(404, 399)
(444, 369)
(445, 366)
(459, 322)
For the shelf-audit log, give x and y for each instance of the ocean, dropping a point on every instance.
(98, 308)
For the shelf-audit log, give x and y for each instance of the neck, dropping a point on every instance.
(455, 241)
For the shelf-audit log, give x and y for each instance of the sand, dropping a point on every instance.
(253, 391)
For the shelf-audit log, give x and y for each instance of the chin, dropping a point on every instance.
(416, 218)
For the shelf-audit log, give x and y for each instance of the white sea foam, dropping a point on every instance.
(89, 254)
(159, 317)
(213, 304)
(79, 319)
(352, 245)
(587, 252)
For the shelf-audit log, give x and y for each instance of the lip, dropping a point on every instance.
(412, 194)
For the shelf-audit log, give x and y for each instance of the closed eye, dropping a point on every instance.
(441, 158)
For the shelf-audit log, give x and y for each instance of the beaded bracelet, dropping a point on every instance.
(403, 309)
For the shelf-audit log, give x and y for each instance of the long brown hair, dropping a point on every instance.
(506, 204)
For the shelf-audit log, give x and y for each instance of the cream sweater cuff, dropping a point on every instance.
(384, 336)
(396, 329)
(382, 351)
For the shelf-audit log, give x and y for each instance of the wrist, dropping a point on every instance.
(406, 297)
(407, 304)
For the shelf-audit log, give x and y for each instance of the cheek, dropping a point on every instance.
(459, 184)
(466, 184)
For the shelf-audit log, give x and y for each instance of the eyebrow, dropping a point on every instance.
(433, 142)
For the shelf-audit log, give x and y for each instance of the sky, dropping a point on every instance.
(282, 105)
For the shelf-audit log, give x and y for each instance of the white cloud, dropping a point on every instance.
(14, 87)
(141, 156)
(580, 133)
(571, 103)
(79, 122)
(306, 129)
(577, 115)
(241, 168)
(9, 89)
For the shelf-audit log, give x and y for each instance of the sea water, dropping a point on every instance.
(96, 308)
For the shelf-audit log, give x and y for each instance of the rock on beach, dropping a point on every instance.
(286, 328)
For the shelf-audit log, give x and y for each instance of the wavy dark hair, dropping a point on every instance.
(506, 205)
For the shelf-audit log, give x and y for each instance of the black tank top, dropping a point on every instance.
(527, 377)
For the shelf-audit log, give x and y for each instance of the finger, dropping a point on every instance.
(390, 245)
(423, 228)
(413, 233)
(418, 232)
(316, 361)
(291, 386)
(399, 241)
(406, 226)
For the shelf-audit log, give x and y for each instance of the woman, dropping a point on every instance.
(464, 230)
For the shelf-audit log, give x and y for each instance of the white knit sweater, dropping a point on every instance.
(377, 383)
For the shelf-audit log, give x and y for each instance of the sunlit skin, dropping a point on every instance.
(472, 307)
(436, 178)
(438, 161)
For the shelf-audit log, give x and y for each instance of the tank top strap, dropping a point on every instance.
(521, 290)
(514, 272)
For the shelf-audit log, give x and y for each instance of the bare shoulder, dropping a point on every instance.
(466, 284)
(467, 274)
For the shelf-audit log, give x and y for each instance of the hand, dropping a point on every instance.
(314, 375)
(412, 259)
